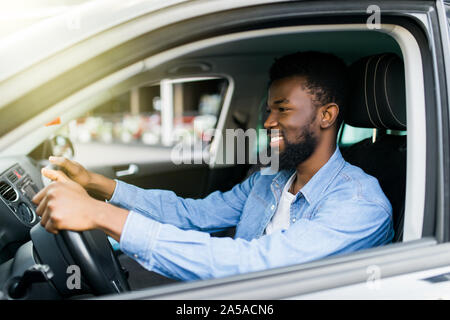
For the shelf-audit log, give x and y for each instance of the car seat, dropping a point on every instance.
(377, 100)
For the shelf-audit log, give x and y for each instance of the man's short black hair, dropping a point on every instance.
(325, 75)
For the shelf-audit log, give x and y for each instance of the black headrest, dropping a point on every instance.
(377, 93)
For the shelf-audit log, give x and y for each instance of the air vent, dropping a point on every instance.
(7, 192)
(12, 177)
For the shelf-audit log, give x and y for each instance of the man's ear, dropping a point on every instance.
(329, 114)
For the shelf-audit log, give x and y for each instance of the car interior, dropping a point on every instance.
(372, 137)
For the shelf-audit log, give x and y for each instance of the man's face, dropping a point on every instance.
(293, 115)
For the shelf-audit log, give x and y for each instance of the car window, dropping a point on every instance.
(349, 135)
(156, 116)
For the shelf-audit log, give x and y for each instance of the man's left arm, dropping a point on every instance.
(189, 255)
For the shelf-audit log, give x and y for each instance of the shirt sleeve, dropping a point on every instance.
(217, 211)
(190, 255)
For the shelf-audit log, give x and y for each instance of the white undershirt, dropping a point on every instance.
(281, 218)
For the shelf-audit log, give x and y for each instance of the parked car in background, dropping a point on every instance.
(127, 82)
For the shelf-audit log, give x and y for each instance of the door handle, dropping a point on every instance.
(132, 169)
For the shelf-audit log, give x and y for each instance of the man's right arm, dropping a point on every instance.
(215, 212)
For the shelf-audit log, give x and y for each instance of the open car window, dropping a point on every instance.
(153, 117)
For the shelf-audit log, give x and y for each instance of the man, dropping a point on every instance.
(316, 206)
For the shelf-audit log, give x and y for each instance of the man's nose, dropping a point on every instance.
(271, 121)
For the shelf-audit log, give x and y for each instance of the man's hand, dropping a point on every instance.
(73, 170)
(97, 185)
(64, 204)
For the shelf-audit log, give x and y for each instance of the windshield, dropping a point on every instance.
(47, 38)
(21, 14)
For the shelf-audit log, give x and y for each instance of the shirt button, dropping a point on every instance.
(136, 256)
(293, 219)
(272, 207)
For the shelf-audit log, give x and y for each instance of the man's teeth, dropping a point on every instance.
(275, 139)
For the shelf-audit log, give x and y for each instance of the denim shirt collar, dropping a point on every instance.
(318, 183)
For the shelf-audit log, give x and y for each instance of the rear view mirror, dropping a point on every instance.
(59, 145)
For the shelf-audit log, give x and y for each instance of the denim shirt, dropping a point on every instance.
(340, 210)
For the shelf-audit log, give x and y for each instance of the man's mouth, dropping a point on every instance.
(275, 140)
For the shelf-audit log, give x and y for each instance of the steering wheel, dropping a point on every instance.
(92, 251)
(89, 250)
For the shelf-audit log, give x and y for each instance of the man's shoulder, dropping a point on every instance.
(353, 183)
(355, 174)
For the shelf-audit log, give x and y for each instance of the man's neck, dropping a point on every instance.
(307, 169)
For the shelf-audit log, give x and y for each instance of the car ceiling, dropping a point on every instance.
(349, 45)
(251, 58)
(248, 61)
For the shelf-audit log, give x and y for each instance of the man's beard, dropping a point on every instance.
(296, 153)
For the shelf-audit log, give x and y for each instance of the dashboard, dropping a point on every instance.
(20, 180)
(34, 259)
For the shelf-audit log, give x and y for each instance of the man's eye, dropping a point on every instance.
(281, 109)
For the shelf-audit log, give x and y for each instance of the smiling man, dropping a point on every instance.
(317, 205)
